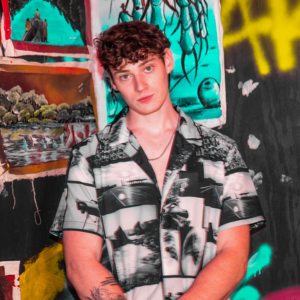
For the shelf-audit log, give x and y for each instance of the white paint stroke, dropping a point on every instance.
(253, 142)
(247, 87)
(286, 179)
(231, 70)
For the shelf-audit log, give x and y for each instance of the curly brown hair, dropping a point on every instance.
(129, 42)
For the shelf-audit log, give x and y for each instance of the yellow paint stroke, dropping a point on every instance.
(43, 278)
(280, 24)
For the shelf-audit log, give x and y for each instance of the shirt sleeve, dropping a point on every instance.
(78, 208)
(240, 201)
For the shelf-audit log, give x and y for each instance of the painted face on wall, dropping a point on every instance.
(145, 85)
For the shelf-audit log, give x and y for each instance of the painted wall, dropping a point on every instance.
(261, 41)
(262, 46)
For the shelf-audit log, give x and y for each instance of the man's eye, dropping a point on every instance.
(148, 69)
(124, 77)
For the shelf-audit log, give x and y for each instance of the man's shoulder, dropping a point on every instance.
(213, 136)
(88, 146)
(104, 136)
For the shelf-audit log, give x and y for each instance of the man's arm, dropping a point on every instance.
(91, 280)
(222, 274)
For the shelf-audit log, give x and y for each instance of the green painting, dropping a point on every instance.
(49, 22)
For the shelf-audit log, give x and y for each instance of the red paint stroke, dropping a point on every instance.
(34, 47)
(66, 129)
(94, 131)
(292, 293)
(88, 17)
(80, 135)
(72, 137)
(71, 133)
(6, 283)
(6, 14)
(86, 130)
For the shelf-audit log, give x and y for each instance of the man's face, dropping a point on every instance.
(145, 85)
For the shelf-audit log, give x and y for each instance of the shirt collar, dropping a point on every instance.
(120, 134)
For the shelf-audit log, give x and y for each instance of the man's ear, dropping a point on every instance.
(169, 61)
(112, 82)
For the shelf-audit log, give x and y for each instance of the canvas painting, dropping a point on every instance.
(44, 111)
(45, 26)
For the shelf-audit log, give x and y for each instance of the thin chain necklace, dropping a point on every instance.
(158, 157)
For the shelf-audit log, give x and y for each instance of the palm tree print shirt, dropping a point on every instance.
(157, 242)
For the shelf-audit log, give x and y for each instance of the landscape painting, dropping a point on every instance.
(43, 113)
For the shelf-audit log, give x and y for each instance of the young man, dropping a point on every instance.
(171, 199)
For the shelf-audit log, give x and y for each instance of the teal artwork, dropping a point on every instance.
(39, 21)
(193, 30)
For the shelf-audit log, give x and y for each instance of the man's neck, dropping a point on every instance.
(165, 118)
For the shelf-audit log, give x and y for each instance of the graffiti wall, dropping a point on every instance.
(261, 44)
(53, 94)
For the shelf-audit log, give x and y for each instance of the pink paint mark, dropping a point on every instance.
(292, 293)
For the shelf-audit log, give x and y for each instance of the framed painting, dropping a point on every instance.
(44, 111)
(57, 28)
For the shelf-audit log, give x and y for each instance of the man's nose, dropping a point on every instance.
(140, 83)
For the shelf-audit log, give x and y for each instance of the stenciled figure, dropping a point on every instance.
(158, 13)
(137, 10)
(124, 15)
(27, 25)
(45, 31)
(166, 201)
(36, 31)
(192, 21)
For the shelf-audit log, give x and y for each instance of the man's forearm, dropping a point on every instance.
(222, 274)
(93, 281)
(218, 279)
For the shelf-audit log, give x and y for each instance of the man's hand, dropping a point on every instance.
(222, 274)
(91, 280)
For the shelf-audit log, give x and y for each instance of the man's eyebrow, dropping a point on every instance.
(142, 64)
(146, 61)
(120, 71)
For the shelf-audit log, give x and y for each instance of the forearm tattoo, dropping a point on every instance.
(102, 293)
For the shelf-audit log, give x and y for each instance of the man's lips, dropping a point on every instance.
(145, 99)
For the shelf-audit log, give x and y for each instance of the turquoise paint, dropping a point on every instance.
(247, 293)
(184, 93)
(260, 260)
(60, 33)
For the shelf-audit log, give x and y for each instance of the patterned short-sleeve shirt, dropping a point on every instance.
(157, 242)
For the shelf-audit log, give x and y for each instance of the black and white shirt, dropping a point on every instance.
(157, 242)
